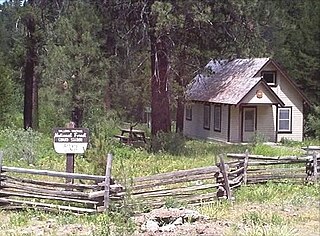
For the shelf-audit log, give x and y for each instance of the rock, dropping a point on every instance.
(150, 226)
(167, 228)
(178, 221)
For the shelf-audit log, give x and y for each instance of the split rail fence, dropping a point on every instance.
(200, 185)
(195, 186)
(24, 188)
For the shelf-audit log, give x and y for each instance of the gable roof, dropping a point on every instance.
(228, 82)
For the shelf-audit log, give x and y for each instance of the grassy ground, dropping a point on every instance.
(270, 209)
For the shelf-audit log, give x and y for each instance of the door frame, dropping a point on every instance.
(242, 119)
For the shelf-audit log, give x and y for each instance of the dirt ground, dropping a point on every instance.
(301, 220)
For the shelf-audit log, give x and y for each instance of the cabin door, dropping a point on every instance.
(249, 118)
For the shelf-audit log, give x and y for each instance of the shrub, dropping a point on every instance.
(173, 143)
(313, 123)
(20, 144)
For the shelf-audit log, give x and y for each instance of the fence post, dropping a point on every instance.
(107, 182)
(315, 166)
(245, 167)
(225, 177)
(1, 155)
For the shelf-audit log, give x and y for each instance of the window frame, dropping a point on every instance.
(289, 120)
(217, 126)
(274, 73)
(189, 112)
(206, 112)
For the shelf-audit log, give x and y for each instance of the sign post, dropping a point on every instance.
(70, 141)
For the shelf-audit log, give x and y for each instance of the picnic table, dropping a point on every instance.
(131, 135)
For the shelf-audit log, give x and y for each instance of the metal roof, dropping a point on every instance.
(226, 81)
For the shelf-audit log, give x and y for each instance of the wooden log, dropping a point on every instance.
(145, 185)
(261, 157)
(56, 184)
(275, 162)
(107, 182)
(172, 192)
(178, 174)
(225, 177)
(245, 166)
(115, 188)
(42, 191)
(31, 195)
(315, 164)
(275, 170)
(53, 173)
(1, 156)
(50, 206)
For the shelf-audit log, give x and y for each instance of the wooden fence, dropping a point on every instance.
(194, 186)
(91, 194)
(205, 184)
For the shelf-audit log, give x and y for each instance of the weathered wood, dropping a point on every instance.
(42, 191)
(56, 184)
(1, 156)
(172, 192)
(275, 162)
(178, 174)
(114, 188)
(184, 179)
(52, 206)
(69, 166)
(261, 157)
(276, 170)
(31, 195)
(315, 164)
(225, 177)
(53, 173)
(107, 182)
(245, 166)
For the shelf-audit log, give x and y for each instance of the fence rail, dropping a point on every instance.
(24, 192)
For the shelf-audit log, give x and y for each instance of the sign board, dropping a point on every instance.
(70, 140)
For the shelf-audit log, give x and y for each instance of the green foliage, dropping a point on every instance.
(20, 145)
(173, 143)
(313, 123)
(278, 192)
(269, 150)
(6, 95)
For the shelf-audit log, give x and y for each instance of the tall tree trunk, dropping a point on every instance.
(180, 114)
(35, 95)
(160, 105)
(182, 84)
(29, 72)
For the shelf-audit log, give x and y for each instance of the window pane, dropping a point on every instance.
(284, 114)
(249, 121)
(206, 117)
(217, 118)
(284, 125)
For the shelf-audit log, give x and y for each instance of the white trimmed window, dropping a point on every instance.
(206, 116)
(270, 77)
(188, 112)
(284, 119)
(217, 118)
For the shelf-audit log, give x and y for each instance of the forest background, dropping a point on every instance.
(91, 61)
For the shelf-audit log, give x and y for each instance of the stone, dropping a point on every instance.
(150, 226)
(178, 221)
(167, 228)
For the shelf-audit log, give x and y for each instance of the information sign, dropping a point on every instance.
(70, 140)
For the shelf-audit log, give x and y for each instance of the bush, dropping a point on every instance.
(20, 145)
(313, 123)
(173, 143)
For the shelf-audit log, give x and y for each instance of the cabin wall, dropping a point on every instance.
(291, 98)
(194, 128)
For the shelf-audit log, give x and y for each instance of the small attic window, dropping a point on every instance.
(270, 77)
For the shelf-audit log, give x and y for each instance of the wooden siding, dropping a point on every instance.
(267, 97)
(290, 96)
(235, 124)
(266, 122)
(194, 128)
